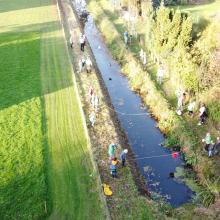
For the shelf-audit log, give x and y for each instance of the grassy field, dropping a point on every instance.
(210, 10)
(44, 160)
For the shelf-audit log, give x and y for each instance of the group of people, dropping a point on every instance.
(113, 159)
(85, 63)
(94, 101)
(210, 146)
(82, 41)
(181, 101)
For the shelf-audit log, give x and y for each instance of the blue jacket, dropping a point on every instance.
(113, 168)
(123, 155)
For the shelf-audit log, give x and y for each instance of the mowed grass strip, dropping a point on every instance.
(37, 95)
(73, 182)
(22, 178)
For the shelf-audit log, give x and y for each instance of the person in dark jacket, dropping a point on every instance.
(123, 156)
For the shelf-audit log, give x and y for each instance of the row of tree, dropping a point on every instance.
(188, 50)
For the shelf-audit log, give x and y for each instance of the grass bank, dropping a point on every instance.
(45, 163)
(176, 128)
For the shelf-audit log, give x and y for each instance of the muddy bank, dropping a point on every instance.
(126, 202)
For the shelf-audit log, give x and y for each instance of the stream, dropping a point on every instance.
(154, 161)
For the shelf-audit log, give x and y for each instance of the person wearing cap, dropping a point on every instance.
(111, 150)
(123, 156)
(113, 168)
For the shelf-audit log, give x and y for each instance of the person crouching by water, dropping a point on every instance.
(113, 168)
(123, 156)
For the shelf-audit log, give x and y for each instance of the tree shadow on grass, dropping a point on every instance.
(11, 5)
(20, 69)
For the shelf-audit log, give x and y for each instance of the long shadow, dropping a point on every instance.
(20, 65)
(23, 196)
(11, 5)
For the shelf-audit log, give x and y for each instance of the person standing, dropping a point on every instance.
(92, 118)
(111, 150)
(126, 38)
(71, 41)
(202, 114)
(191, 108)
(113, 168)
(144, 60)
(88, 65)
(123, 156)
(141, 54)
(82, 41)
(180, 103)
(160, 74)
(207, 140)
(96, 103)
(93, 100)
(82, 63)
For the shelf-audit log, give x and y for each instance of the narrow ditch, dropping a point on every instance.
(154, 161)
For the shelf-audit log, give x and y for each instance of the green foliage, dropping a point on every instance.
(191, 158)
(171, 141)
(206, 197)
(170, 41)
(214, 111)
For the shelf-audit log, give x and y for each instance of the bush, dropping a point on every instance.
(214, 111)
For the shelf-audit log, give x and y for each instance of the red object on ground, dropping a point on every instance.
(175, 155)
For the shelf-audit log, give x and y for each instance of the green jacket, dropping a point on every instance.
(111, 150)
(208, 139)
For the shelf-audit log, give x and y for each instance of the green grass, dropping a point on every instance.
(44, 160)
(206, 10)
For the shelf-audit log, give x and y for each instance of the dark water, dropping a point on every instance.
(140, 128)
